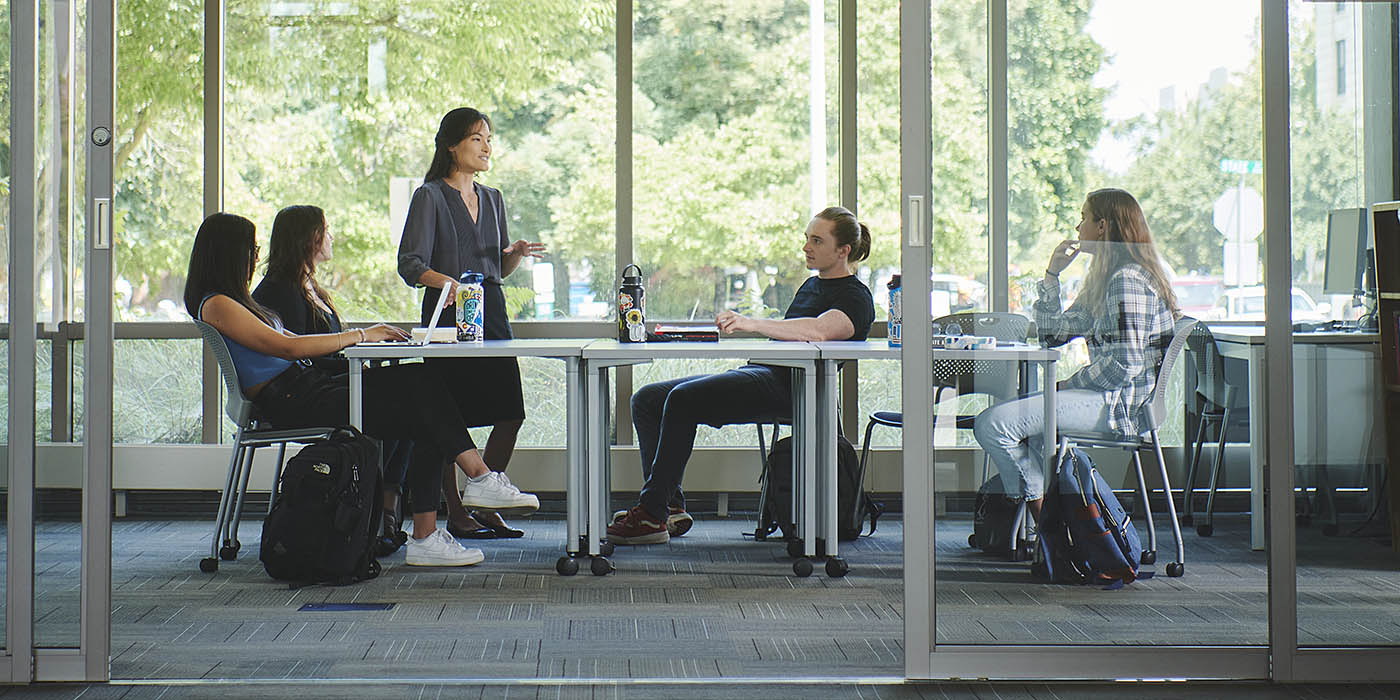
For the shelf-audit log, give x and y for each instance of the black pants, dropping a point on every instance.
(401, 402)
(487, 389)
(666, 415)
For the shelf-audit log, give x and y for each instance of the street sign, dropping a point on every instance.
(1239, 214)
(1242, 167)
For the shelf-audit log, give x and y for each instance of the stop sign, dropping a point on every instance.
(1239, 214)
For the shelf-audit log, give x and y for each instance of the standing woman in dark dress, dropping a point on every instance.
(456, 224)
(301, 241)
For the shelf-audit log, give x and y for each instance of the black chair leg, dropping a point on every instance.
(1189, 488)
(1207, 528)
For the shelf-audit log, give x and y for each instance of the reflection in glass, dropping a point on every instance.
(1347, 563)
(1078, 121)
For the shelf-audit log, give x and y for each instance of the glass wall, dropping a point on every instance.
(1097, 99)
(5, 29)
(1342, 156)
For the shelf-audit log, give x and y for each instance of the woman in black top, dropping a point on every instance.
(301, 241)
(833, 305)
(456, 224)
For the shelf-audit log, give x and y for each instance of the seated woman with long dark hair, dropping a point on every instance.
(300, 242)
(400, 402)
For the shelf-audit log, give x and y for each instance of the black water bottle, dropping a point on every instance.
(631, 305)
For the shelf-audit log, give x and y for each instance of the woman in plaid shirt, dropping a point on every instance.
(1125, 312)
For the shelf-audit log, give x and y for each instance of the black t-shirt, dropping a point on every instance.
(846, 294)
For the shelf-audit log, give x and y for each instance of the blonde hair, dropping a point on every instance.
(1127, 239)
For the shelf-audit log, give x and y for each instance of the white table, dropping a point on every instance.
(833, 352)
(1313, 353)
(600, 356)
(569, 350)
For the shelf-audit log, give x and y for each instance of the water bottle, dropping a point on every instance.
(471, 299)
(896, 311)
(631, 307)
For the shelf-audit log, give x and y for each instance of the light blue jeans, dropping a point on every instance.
(1012, 434)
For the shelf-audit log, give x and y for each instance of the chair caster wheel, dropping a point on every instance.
(836, 567)
(607, 548)
(228, 553)
(1330, 529)
(600, 566)
(1176, 569)
(794, 549)
(1186, 519)
(1148, 557)
(1205, 529)
(802, 567)
(566, 566)
(209, 565)
(972, 541)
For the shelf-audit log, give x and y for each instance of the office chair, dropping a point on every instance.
(964, 376)
(1156, 413)
(1222, 388)
(252, 434)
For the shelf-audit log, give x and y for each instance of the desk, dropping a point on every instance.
(600, 356)
(833, 352)
(1315, 363)
(568, 350)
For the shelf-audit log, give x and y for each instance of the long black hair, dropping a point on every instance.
(454, 127)
(297, 235)
(225, 252)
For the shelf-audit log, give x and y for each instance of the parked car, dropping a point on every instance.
(962, 293)
(1247, 304)
(1196, 296)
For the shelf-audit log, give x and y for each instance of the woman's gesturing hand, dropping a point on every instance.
(524, 248)
(1064, 254)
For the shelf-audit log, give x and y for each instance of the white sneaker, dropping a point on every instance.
(495, 493)
(441, 549)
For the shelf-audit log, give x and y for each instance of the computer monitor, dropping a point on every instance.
(1346, 251)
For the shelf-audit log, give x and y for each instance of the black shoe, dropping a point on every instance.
(502, 531)
(470, 533)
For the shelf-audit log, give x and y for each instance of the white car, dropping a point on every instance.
(1247, 304)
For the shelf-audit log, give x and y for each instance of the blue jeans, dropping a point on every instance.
(1012, 433)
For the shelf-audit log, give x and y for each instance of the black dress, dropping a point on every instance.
(439, 234)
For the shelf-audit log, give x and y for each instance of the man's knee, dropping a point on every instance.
(648, 400)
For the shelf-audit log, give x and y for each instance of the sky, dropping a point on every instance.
(1154, 45)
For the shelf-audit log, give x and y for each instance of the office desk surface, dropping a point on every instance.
(520, 347)
(880, 350)
(724, 349)
(1254, 335)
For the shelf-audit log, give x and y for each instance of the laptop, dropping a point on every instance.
(431, 333)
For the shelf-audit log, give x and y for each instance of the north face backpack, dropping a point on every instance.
(325, 523)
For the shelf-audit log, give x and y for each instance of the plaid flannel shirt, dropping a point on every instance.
(1126, 342)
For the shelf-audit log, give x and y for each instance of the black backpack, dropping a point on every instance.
(324, 526)
(853, 503)
(993, 518)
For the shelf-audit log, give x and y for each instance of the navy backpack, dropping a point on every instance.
(1085, 534)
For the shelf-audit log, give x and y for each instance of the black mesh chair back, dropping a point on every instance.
(974, 376)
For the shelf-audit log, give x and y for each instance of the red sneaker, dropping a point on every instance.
(638, 527)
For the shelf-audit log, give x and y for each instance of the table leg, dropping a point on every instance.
(597, 447)
(1258, 423)
(357, 390)
(808, 422)
(826, 455)
(1051, 430)
(575, 439)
